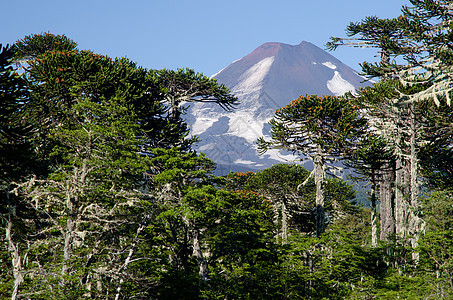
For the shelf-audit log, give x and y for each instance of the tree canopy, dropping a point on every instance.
(103, 197)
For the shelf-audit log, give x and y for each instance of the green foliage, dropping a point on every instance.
(286, 182)
(87, 196)
(370, 157)
(227, 226)
(33, 46)
(436, 246)
(6, 278)
(14, 147)
(16, 162)
(333, 123)
(102, 196)
(437, 154)
(187, 85)
(320, 128)
(179, 88)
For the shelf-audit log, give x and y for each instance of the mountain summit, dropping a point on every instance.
(266, 79)
(280, 68)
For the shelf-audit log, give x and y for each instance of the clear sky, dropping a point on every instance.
(205, 35)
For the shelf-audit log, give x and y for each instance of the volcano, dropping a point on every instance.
(265, 80)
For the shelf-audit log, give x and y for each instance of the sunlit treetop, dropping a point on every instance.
(35, 45)
(328, 121)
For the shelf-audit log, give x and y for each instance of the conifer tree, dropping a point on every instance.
(291, 194)
(15, 162)
(320, 128)
(95, 125)
(418, 70)
(184, 86)
(368, 161)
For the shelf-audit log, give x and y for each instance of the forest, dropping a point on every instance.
(103, 197)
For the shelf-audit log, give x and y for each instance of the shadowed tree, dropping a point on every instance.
(16, 162)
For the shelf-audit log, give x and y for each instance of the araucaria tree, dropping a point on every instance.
(320, 128)
(91, 124)
(16, 161)
(87, 138)
(416, 77)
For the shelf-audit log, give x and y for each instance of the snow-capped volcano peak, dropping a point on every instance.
(266, 79)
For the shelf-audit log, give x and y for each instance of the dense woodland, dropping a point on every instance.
(103, 197)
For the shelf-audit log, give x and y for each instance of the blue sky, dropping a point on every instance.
(200, 34)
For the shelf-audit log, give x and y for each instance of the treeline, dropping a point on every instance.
(103, 197)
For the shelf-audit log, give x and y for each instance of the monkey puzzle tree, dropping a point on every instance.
(320, 128)
(368, 161)
(279, 185)
(204, 231)
(436, 244)
(90, 116)
(94, 124)
(86, 197)
(436, 155)
(33, 46)
(416, 73)
(387, 36)
(90, 119)
(291, 193)
(184, 86)
(16, 161)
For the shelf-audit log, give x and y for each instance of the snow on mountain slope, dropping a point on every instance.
(252, 80)
(266, 79)
(338, 86)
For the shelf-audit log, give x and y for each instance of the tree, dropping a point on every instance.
(291, 193)
(436, 155)
(206, 233)
(279, 184)
(320, 128)
(436, 244)
(13, 94)
(95, 126)
(185, 85)
(84, 119)
(15, 159)
(386, 35)
(420, 36)
(84, 201)
(35, 45)
(368, 161)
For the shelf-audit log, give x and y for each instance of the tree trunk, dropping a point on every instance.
(128, 260)
(415, 222)
(196, 249)
(198, 253)
(400, 203)
(13, 249)
(386, 197)
(68, 233)
(318, 164)
(140, 228)
(284, 223)
(373, 211)
(386, 193)
(413, 158)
